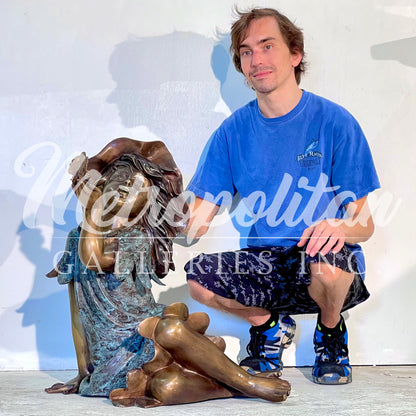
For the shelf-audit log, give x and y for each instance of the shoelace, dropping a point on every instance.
(333, 347)
(256, 345)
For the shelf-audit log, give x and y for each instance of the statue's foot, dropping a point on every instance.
(136, 387)
(70, 387)
(270, 374)
(135, 393)
(52, 273)
(269, 387)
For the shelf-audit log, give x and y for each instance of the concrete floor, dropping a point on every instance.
(374, 391)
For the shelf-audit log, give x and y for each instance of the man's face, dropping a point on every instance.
(266, 60)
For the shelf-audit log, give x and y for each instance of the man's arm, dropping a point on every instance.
(331, 235)
(202, 213)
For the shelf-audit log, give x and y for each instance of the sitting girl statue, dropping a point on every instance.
(129, 191)
(129, 347)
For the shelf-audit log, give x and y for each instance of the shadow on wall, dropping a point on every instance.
(402, 50)
(166, 84)
(48, 314)
(169, 83)
(234, 90)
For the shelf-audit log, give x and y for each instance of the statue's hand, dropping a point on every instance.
(78, 168)
(87, 189)
(85, 182)
(70, 387)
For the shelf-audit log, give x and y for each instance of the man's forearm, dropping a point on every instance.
(357, 233)
(202, 213)
(359, 227)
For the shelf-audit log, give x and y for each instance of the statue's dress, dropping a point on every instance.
(111, 306)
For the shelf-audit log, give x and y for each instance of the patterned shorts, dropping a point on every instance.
(273, 278)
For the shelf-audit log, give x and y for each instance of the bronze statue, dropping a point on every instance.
(128, 191)
(133, 208)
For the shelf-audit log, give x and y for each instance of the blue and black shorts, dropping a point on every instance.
(273, 278)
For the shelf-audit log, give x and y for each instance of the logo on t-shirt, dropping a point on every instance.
(311, 156)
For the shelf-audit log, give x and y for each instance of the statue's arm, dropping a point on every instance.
(91, 243)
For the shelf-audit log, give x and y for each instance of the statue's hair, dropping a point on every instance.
(159, 223)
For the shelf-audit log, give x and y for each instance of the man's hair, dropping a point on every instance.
(291, 34)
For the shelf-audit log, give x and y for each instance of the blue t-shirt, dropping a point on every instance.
(289, 171)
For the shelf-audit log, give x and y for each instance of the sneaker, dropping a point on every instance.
(331, 364)
(266, 348)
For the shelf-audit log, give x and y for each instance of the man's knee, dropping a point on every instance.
(330, 276)
(200, 293)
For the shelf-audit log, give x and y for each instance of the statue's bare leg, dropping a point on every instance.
(189, 367)
(81, 349)
(197, 353)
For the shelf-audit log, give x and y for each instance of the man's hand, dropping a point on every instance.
(323, 237)
(331, 235)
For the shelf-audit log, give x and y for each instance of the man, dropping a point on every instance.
(303, 169)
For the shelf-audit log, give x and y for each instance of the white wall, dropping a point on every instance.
(76, 74)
